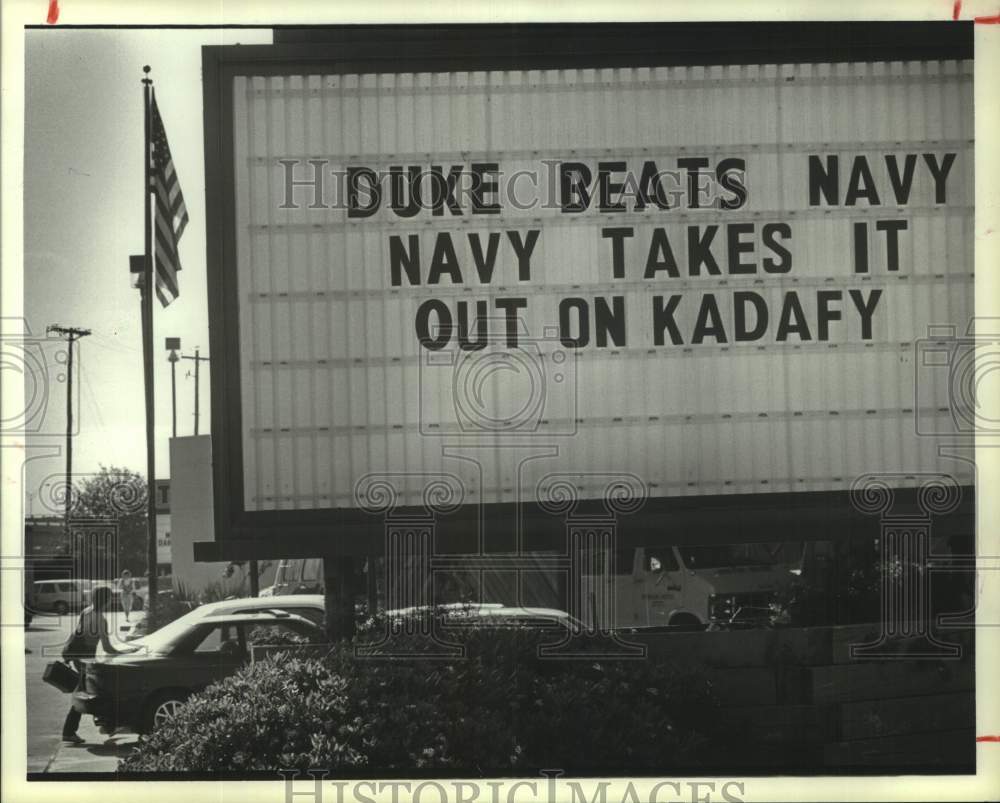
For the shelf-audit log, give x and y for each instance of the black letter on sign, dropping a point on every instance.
(760, 306)
(485, 263)
(583, 322)
(786, 326)
(608, 321)
(729, 173)
(703, 328)
(861, 247)
(373, 192)
(866, 309)
(663, 318)
(650, 188)
(901, 185)
(575, 180)
(700, 251)
(892, 228)
(824, 180)
(443, 189)
(510, 306)
(444, 260)
(661, 257)
(861, 184)
(401, 259)
(734, 231)
(608, 188)
(437, 338)
(617, 237)
(481, 187)
(940, 174)
(523, 250)
(824, 313)
(398, 185)
(464, 342)
(784, 255)
(693, 167)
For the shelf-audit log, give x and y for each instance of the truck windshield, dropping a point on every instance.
(718, 556)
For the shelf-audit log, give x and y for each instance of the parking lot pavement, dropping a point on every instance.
(98, 753)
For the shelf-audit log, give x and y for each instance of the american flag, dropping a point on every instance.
(171, 215)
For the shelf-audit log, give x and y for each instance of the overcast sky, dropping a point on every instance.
(83, 217)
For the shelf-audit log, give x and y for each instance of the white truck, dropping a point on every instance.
(696, 586)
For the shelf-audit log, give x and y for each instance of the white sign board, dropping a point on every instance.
(715, 279)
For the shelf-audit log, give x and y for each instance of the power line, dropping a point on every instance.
(112, 345)
(92, 397)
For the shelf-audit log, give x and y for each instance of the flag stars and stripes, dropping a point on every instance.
(170, 215)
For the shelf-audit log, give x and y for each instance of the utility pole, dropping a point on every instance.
(198, 360)
(173, 345)
(71, 334)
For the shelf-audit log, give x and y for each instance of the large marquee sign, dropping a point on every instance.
(713, 279)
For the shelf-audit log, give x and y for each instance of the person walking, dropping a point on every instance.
(91, 630)
(127, 587)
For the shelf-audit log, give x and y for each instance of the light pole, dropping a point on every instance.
(173, 346)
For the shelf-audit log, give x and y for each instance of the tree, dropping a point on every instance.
(119, 495)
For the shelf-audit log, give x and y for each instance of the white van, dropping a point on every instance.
(61, 596)
(303, 576)
(697, 586)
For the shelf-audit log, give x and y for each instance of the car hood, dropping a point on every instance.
(141, 655)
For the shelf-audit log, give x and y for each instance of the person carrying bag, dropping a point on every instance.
(91, 630)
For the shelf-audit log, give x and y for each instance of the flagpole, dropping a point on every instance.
(146, 298)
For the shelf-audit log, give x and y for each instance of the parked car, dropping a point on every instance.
(61, 596)
(143, 688)
(308, 605)
(463, 614)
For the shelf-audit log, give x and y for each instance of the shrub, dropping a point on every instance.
(272, 715)
(499, 709)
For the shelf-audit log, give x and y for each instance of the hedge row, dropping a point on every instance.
(499, 709)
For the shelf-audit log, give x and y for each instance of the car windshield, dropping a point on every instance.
(719, 556)
(161, 640)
